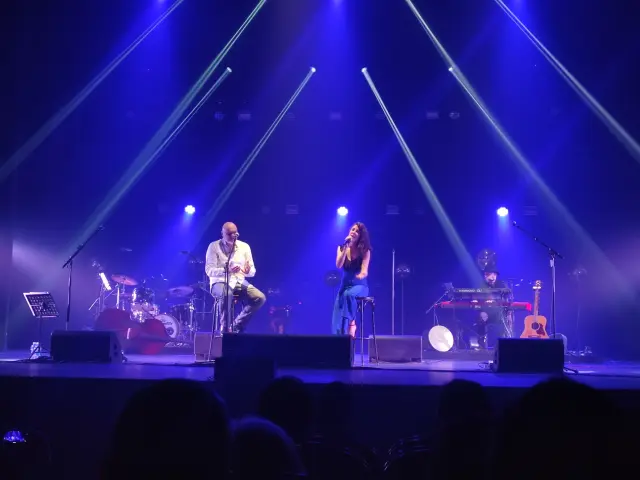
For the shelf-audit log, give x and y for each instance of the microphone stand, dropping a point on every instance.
(228, 305)
(393, 292)
(553, 254)
(69, 263)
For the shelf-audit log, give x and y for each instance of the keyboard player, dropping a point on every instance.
(491, 322)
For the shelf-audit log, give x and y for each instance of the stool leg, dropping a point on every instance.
(353, 350)
(216, 319)
(361, 308)
(373, 330)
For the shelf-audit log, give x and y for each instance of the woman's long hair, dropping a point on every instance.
(364, 242)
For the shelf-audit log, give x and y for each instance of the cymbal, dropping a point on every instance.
(124, 279)
(180, 292)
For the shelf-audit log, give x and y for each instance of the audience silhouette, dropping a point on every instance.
(181, 429)
(172, 429)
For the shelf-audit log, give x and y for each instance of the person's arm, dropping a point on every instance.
(341, 256)
(249, 269)
(211, 267)
(364, 270)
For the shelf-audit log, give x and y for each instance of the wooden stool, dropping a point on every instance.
(362, 303)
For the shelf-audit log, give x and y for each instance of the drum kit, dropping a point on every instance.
(141, 301)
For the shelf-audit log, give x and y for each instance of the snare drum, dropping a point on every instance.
(171, 325)
(150, 311)
(143, 300)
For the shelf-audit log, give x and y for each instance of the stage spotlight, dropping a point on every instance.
(313, 69)
(502, 212)
(364, 69)
(190, 209)
(342, 211)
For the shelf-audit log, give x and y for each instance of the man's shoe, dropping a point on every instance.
(237, 328)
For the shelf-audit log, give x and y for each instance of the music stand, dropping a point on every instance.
(42, 305)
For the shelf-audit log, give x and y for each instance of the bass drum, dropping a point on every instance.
(441, 338)
(171, 325)
(118, 321)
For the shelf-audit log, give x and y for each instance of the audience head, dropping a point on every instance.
(570, 425)
(172, 429)
(463, 401)
(261, 449)
(287, 402)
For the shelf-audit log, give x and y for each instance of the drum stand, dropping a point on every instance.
(458, 338)
(99, 303)
(193, 325)
(120, 291)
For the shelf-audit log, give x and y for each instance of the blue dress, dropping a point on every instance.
(345, 307)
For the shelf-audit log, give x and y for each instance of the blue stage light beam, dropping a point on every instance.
(54, 122)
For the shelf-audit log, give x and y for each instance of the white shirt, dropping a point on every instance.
(217, 255)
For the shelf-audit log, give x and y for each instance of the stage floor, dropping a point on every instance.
(431, 372)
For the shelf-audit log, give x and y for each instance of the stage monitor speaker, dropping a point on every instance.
(85, 346)
(201, 343)
(529, 355)
(293, 351)
(397, 348)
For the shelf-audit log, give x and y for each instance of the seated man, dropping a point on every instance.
(493, 322)
(237, 254)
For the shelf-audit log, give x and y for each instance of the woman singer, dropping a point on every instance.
(353, 257)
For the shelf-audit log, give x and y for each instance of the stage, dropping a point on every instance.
(430, 372)
(76, 405)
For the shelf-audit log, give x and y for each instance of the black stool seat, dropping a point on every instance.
(365, 300)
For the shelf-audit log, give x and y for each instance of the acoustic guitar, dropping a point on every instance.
(535, 326)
